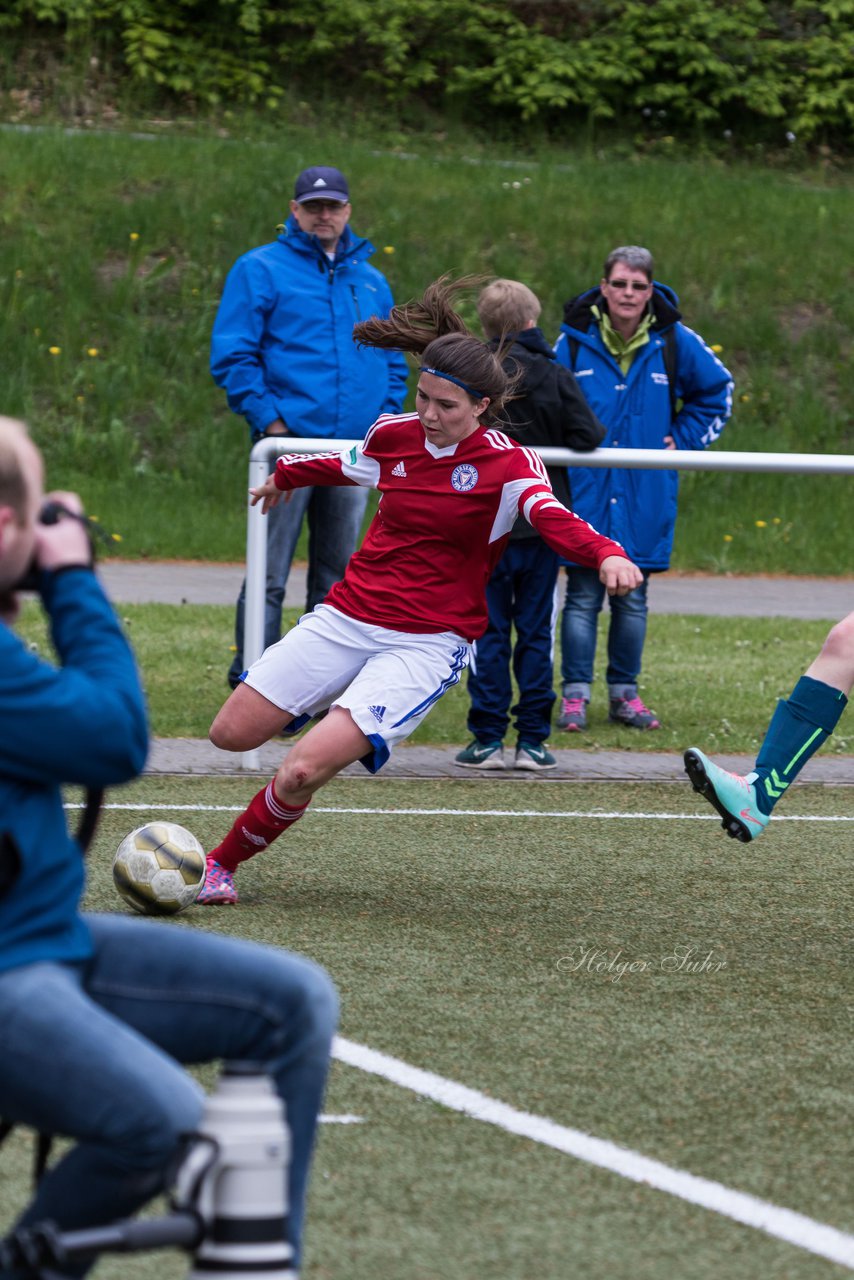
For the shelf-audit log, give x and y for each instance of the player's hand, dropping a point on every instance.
(64, 542)
(268, 494)
(619, 575)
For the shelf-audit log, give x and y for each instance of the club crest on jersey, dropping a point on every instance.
(464, 477)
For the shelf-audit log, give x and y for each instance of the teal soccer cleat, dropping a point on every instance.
(734, 797)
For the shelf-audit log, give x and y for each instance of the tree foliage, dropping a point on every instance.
(690, 64)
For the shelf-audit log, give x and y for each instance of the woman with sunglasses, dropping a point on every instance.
(655, 384)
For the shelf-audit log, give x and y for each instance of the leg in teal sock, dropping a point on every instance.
(798, 728)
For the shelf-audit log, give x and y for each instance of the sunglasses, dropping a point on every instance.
(634, 285)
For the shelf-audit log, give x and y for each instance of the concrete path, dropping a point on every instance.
(182, 582)
(192, 755)
(192, 582)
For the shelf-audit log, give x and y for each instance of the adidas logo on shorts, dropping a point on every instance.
(399, 470)
(377, 713)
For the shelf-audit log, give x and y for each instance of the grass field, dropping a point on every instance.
(623, 974)
(713, 680)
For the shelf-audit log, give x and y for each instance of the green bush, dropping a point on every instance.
(665, 67)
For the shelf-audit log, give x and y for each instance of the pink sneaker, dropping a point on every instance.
(632, 712)
(573, 715)
(218, 889)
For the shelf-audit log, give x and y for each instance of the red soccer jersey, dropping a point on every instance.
(442, 523)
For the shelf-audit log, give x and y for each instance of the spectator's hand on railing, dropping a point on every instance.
(619, 575)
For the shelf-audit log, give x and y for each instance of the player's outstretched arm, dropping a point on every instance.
(269, 494)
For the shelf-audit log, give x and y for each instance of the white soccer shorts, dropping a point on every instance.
(387, 680)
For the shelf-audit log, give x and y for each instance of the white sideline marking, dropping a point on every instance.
(784, 1224)
(468, 813)
(345, 1119)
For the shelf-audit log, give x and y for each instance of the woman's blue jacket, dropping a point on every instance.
(638, 508)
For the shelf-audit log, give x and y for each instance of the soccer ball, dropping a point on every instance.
(159, 869)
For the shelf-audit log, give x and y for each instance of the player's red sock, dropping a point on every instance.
(261, 822)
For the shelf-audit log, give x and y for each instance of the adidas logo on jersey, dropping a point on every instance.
(399, 470)
(377, 713)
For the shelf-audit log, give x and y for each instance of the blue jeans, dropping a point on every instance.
(520, 592)
(335, 517)
(93, 1051)
(585, 595)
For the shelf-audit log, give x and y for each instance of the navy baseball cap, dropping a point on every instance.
(321, 183)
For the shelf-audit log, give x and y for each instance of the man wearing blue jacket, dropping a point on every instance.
(655, 384)
(98, 1011)
(283, 349)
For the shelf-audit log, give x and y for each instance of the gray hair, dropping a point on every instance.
(634, 256)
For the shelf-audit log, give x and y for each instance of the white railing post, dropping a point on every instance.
(261, 462)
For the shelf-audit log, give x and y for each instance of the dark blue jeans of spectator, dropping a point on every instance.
(521, 592)
(93, 1051)
(334, 517)
(585, 596)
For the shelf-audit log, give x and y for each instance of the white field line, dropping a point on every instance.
(784, 1224)
(466, 813)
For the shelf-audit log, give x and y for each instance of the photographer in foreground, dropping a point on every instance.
(99, 1011)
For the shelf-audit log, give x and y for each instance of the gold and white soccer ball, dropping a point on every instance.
(159, 869)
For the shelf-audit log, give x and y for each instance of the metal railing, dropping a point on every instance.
(264, 453)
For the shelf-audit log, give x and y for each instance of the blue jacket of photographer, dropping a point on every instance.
(82, 723)
(638, 409)
(282, 343)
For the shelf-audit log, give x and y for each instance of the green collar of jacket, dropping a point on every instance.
(623, 350)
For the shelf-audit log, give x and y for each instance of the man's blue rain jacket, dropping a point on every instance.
(282, 344)
(638, 508)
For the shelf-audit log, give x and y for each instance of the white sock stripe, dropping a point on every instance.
(279, 810)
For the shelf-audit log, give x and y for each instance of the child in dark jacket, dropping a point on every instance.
(549, 410)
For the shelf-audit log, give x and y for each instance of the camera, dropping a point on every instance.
(51, 513)
(228, 1207)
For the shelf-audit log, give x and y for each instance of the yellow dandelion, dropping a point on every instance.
(727, 537)
(80, 399)
(92, 351)
(776, 520)
(388, 248)
(745, 398)
(717, 348)
(761, 524)
(117, 537)
(54, 351)
(134, 235)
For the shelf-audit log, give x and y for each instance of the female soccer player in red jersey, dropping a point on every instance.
(395, 633)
